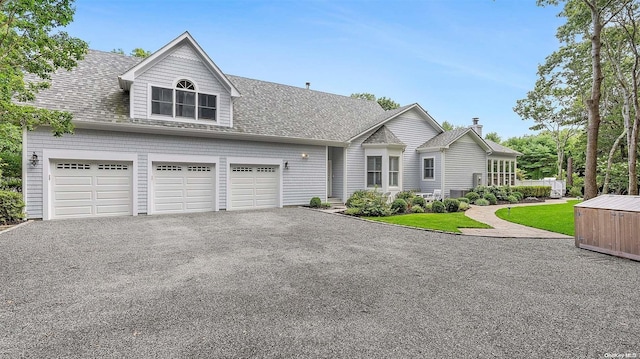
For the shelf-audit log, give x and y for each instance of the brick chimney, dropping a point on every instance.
(476, 127)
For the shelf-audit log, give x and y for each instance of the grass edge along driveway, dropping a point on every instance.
(447, 222)
(558, 218)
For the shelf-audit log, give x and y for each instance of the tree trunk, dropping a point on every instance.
(569, 172)
(593, 106)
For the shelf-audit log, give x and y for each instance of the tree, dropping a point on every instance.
(139, 52)
(448, 126)
(493, 136)
(31, 45)
(118, 51)
(587, 18)
(384, 102)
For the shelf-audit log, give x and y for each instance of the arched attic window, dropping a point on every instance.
(182, 101)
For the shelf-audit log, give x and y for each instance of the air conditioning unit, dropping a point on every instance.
(477, 180)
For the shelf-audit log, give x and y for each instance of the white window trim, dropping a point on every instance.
(254, 161)
(50, 154)
(174, 158)
(366, 165)
(173, 117)
(399, 171)
(434, 168)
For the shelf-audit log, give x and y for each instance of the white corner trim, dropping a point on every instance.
(25, 163)
(131, 100)
(50, 154)
(161, 157)
(255, 161)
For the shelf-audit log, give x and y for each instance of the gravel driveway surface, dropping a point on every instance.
(299, 283)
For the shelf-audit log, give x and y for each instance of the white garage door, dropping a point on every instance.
(91, 188)
(179, 187)
(254, 187)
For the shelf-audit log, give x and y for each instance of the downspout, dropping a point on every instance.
(444, 170)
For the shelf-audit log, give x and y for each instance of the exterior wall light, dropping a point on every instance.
(34, 159)
(286, 165)
(305, 156)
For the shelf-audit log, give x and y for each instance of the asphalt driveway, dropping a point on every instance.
(300, 283)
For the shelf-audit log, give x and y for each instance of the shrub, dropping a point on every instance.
(315, 202)
(419, 201)
(399, 206)
(407, 196)
(352, 211)
(491, 198)
(438, 207)
(518, 195)
(512, 199)
(325, 205)
(575, 191)
(463, 206)
(369, 203)
(481, 202)
(417, 209)
(11, 184)
(533, 191)
(463, 199)
(11, 207)
(427, 207)
(481, 190)
(472, 196)
(451, 205)
(12, 164)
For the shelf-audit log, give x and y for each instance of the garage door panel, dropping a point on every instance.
(69, 195)
(254, 187)
(90, 188)
(183, 187)
(122, 195)
(73, 181)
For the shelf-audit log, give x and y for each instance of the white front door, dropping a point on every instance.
(183, 187)
(254, 186)
(81, 188)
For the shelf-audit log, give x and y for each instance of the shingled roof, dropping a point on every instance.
(92, 94)
(444, 139)
(383, 136)
(496, 147)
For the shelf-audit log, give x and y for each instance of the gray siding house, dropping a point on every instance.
(172, 133)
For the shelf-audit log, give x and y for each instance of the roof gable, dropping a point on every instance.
(446, 139)
(127, 78)
(389, 115)
(383, 136)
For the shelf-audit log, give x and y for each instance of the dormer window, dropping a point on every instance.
(182, 102)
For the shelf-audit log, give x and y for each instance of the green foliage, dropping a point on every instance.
(352, 211)
(11, 207)
(406, 195)
(325, 205)
(438, 207)
(539, 156)
(472, 196)
(481, 202)
(11, 184)
(533, 191)
(417, 209)
(315, 202)
(419, 200)
(368, 203)
(493, 136)
(10, 164)
(139, 52)
(451, 205)
(491, 198)
(463, 206)
(30, 44)
(575, 191)
(463, 199)
(384, 102)
(399, 206)
(512, 199)
(518, 195)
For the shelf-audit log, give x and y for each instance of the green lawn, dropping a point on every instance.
(448, 222)
(551, 217)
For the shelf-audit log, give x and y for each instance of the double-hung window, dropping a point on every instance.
(374, 171)
(183, 101)
(429, 168)
(394, 170)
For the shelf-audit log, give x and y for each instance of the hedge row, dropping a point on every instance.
(533, 191)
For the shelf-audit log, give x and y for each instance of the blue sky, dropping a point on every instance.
(457, 58)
